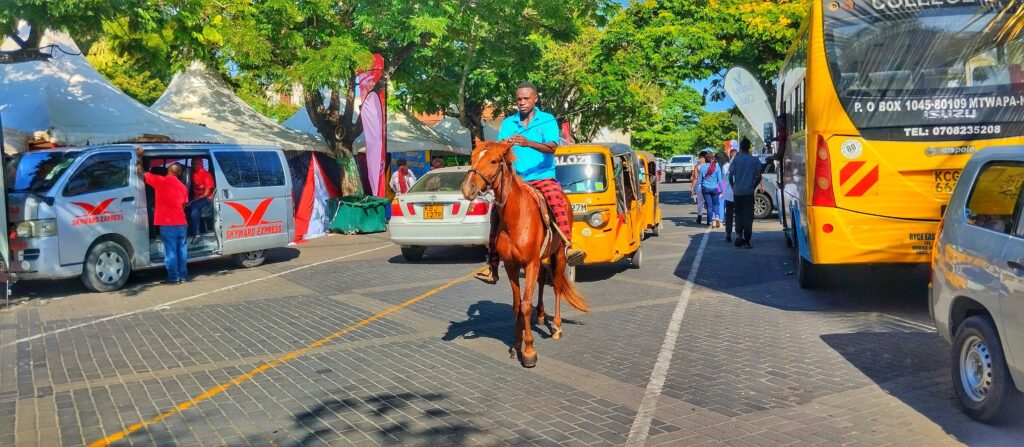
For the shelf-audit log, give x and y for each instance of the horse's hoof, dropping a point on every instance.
(529, 362)
(511, 353)
(556, 334)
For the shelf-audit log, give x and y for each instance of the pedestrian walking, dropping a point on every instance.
(710, 178)
(745, 177)
(728, 197)
(169, 215)
(695, 189)
(403, 177)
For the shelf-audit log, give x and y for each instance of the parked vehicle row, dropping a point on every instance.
(85, 212)
(612, 190)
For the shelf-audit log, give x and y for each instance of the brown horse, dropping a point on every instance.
(523, 243)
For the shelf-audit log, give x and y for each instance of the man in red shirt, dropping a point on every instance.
(202, 197)
(169, 214)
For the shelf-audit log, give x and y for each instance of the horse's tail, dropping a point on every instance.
(564, 287)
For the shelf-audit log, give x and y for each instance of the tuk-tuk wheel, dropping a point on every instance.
(637, 258)
(250, 259)
(570, 271)
(107, 267)
(656, 230)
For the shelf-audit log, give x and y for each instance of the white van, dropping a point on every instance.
(86, 212)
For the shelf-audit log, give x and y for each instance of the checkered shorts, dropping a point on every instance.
(559, 203)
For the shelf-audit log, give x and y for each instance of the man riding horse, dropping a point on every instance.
(534, 135)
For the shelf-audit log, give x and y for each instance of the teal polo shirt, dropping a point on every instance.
(532, 164)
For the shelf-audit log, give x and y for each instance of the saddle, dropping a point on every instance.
(548, 216)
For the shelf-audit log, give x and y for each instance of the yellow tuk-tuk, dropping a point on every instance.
(650, 204)
(601, 181)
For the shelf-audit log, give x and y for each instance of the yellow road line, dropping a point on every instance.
(237, 380)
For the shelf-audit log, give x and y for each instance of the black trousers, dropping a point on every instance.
(730, 211)
(744, 216)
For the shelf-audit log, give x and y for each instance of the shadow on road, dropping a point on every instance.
(447, 256)
(914, 368)
(487, 319)
(140, 281)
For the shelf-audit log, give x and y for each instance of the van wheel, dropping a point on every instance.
(637, 258)
(107, 267)
(980, 376)
(762, 206)
(413, 254)
(250, 259)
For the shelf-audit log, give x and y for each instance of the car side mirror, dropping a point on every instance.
(769, 131)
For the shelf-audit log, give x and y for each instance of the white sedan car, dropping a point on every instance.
(433, 213)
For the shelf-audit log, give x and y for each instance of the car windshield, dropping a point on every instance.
(36, 172)
(683, 159)
(439, 182)
(581, 173)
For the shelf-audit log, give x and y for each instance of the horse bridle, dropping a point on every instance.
(491, 182)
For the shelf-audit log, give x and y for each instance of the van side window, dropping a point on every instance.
(993, 199)
(100, 172)
(246, 169)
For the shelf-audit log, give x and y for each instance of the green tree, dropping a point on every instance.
(711, 131)
(491, 47)
(81, 18)
(671, 128)
(322, 44)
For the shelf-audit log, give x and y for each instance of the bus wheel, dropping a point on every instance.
(107, 267)
(637, 258)
(807, 274)
(250, 259)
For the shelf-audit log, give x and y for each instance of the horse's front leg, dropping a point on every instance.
(529, 356)
(512, 272)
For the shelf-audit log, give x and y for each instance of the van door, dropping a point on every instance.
(253, 200)
(98, 198)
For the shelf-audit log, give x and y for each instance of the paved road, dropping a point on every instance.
(340, 342)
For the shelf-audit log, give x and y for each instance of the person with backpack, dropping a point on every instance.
(710, 178)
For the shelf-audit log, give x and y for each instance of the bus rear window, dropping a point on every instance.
(36, 172)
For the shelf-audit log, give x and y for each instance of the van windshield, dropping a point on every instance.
(36, 172)
(682, 159)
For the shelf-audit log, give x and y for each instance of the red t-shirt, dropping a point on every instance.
(201, 181)
(171, 196)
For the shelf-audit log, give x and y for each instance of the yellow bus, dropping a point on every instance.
(880, 104)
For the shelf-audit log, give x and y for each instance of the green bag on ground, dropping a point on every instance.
(357, 214)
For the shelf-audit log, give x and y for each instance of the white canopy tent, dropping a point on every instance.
(405, 133)
(65, 101)
(453, 130)
(199, 95)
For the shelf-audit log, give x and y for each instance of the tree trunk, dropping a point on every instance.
(328, 120)
(470, 116)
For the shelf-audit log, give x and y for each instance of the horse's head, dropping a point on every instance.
(490, 160)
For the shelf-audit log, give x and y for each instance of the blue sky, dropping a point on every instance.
(714, 106)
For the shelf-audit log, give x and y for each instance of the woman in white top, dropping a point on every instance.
(728, 195)
(695, 190)
(403, 178)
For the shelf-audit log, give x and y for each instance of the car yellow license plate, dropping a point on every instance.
(433, 212)
(945, 180)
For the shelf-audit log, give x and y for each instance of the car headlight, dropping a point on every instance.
(36, 228)
(597, 219)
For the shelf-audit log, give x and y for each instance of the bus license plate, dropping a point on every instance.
(945, 180)
(579, 208)
(433, 212)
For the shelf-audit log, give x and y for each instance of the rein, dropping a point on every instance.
(494, 180)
